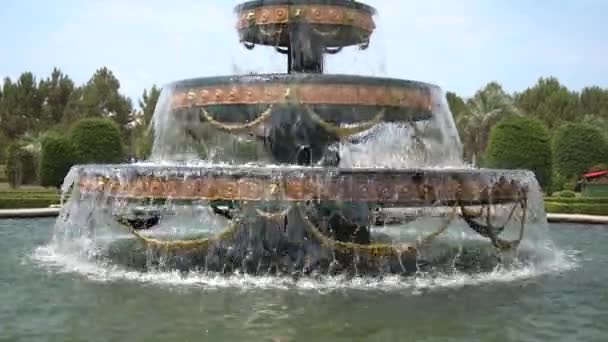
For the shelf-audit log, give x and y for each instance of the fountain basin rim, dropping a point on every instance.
(408, 187)
(252, 167)
(300, 78)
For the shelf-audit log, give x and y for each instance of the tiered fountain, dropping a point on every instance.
(298, 172)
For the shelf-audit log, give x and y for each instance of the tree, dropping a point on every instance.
(57, 157)
(485, 109)
(594, 101)
(20, 106)
(549, 101)
(96, 140)
(20, 166)
(576, 147)
(3, 147)
(457, 105)
(143, 129)
(10, 124)
(519, 142)
(56, 90)
(100, 97)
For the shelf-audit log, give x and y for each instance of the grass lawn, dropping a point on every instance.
(26, 189)
(577, 205)
(27, 196)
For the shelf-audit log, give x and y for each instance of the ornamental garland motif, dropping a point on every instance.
(391, 189)
(313, 14)
(310, 93)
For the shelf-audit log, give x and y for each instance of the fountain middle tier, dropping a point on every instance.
(300, 118)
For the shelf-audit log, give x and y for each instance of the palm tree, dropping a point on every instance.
(489, 105)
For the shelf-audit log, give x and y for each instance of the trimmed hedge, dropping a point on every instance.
(20, 166)
(585, 200)
(27, 202)
(577, 147)
(519, 142)
(577, 208)
(96, 140)
(565, 194)
(56, 159)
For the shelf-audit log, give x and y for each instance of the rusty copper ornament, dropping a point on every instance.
(312, 94)
(313, 14)
(397, 189)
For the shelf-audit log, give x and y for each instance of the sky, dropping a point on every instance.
(460, 45)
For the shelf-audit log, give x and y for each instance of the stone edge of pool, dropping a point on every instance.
(53, 212)
(29, 213)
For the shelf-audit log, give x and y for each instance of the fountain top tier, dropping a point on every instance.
(305, 30)
(305, 116)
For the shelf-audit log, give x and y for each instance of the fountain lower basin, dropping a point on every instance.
(291, 219)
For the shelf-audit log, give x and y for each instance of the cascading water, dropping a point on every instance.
(302, 175)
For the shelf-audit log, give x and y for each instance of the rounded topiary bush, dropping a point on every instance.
(20, 165)
(57, 156)
(567, 194)
(576, 147)
(521, 143)
(96, 140)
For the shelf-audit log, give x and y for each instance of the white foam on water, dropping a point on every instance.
(58, 261)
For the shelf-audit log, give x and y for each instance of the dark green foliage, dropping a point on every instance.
(521, 143)
(20, 166)
(570, 186)
(56, 90)
(144, 132)
(594, 101)
(486, 108)
(549, 101)
(598, 167)
(457, 105)
(3, 178)
(565, 194)
(56, 159)
(3, 148)
(571, 200)
(577, 147)
(96, 140)
(557, 181)
(27, 202)
(577, 208)
(101, 97)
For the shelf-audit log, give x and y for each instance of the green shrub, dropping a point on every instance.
(576, 147)
(20, 166)
(96, 140)
(567, 194)
(577, 208)
(3, 147)
(521, 143)
(557, 181)
(588, 200)
(570, 186)
(3, 178)
(598, 167)
(56, 159)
